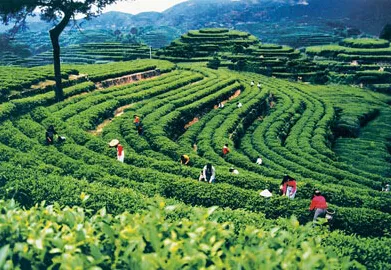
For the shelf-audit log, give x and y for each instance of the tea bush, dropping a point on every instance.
(290, 125)
(51, 236)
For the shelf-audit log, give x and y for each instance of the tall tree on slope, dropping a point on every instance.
(386, 32)
(58, 11)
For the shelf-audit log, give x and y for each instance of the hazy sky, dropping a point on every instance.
(138, 6)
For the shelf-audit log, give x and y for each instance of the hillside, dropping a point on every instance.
(90, 53)
(368, 16)
(313, 133)
(293, 23)
(358, 61)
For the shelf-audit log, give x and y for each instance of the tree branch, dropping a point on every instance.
(63, 23)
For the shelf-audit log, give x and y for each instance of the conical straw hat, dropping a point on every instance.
(266, 193)
(114, 143)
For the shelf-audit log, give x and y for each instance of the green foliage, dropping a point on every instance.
(90, 53)
(288, 124)
(214, 63)
(366, 43)
(213, 30)
(358, 61)
(94, 72)
(18, 78)
(386, 32)
(68, 238)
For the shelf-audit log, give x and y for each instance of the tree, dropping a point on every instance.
(386, 32)
(238, 49)
(214, 63)
(241, 64)
(57, 11)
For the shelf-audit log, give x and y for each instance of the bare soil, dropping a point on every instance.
(118, 112)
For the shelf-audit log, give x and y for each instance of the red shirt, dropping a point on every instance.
(225, 150)
(290, 183)
(136, 119)
(120, 148)
(318, 202)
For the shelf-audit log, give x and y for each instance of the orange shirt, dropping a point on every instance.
(136, 119)
(185, 159)
(225, 150)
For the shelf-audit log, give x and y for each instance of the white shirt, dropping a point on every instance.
(259, 161)
(240, 105)
(212, 176)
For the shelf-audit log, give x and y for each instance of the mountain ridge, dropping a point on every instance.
(369, 16)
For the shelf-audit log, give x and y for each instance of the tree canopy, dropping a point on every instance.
(58, 11)
(386, 32)
(50, 10)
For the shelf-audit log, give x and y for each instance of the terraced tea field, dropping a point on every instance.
(90, 53)
(302, 132)
(238, 50)
(359, 61)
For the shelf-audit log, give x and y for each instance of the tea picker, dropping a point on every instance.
(318, 204)
(51, 133)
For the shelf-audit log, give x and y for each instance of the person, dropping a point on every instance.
(140, 130)
(225, 149)
(201, 177)
(271, 100)
(259, 85)
(221, 105)
(185, 159)
(233, 171)
(209, 173)
(120, 153)
(136, 120)
(284, 180)
(289, 188)
(318, 204)
(239, 105)
(50, 132)
(252, 83)
(387, 188)
(195, 148)
(259, 161)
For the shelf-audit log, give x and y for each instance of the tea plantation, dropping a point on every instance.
(365, 61)
(90, 53)
(72, 205)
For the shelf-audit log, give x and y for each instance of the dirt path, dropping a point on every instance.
(235, 95)
(46, 83)
(128, 79)
(77, 95)
(141, 76)
(192, 122)
(42, 84)
(118, 112)
(196, 119)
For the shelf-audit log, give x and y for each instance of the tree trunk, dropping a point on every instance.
(55, 33)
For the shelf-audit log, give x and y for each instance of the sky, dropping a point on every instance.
(138, 6)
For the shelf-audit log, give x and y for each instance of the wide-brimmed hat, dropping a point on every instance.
(266, 193)
(114, 143)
